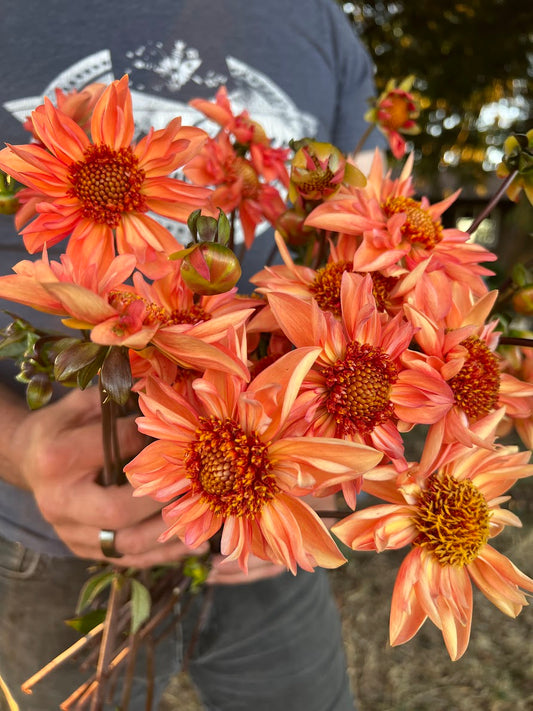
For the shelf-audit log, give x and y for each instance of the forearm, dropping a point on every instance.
(13, 410)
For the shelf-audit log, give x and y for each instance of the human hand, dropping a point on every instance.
(229, 572)
(59, 454)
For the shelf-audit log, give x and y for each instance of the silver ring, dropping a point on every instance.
(107, 543)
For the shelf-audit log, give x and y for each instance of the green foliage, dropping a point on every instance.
(93, 587)
(141, 604)
(465, 56)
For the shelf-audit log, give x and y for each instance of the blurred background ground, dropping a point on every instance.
(495, 674)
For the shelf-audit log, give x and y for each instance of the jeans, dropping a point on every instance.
(272, 645)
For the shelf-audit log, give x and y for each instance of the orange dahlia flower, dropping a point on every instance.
(461, 351)
(268, 162)
(95, 297)
(395, 113)
(359, 388)
(101, 189)
(393, 233)
(237, 185)
(323, 284)
(447, 518)
(226, 460)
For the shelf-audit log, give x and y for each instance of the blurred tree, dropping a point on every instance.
(474, 67)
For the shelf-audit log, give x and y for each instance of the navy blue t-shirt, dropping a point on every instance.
(296, 66)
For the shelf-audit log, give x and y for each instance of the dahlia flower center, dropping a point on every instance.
(229, 468)
(245, 172)
(359, 388)
(108, 183)
(452, 520)
(123, 301)
(195, 314)
(381, 288)
(396, 113)
(477, 384)
(419, 227)
(326, 288)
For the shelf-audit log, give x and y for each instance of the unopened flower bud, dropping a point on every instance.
(205, 228)
(291, 227)
(318, 170)
(523, 301)
(518, 157)
(209, 268)
(9, 202)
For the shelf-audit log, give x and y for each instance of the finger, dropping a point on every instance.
(76, 408)
(138, 545)
(229, 572)
(83, 449)
(111, 507)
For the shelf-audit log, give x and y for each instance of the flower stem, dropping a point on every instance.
(363, 139)
(108, 640)
(61, 658)
(492, 203)
(516, 341)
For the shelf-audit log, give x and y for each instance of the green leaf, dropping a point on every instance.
(521, 275)
(141, 604)
(85, 623)
(197, 570)
(93, 587)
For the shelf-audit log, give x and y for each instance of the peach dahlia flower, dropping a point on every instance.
(100, 189)
(228, 459)
(359, 387)
(447, 518)
(392, 232)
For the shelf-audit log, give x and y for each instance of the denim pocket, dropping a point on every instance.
(16, 561)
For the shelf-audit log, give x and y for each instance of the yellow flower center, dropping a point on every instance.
(108, 183)
(230, 469)
(326, 288)
(452, 520)
(419, 227)
(120, 300)
(318, 182)
(359, 389)
(477, 384)
(195, 314)
(381, 288)
(240, 168)
(395, 115)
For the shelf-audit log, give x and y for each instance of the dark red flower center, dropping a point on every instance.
(359, 388)
(108, 183)
(476, 386)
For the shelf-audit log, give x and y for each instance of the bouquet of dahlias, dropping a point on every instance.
(377, 321)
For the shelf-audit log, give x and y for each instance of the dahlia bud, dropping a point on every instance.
(523, 301)
(9, 202)
(209, 268)
(518, 157)
(291, 227)
(318, 170)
